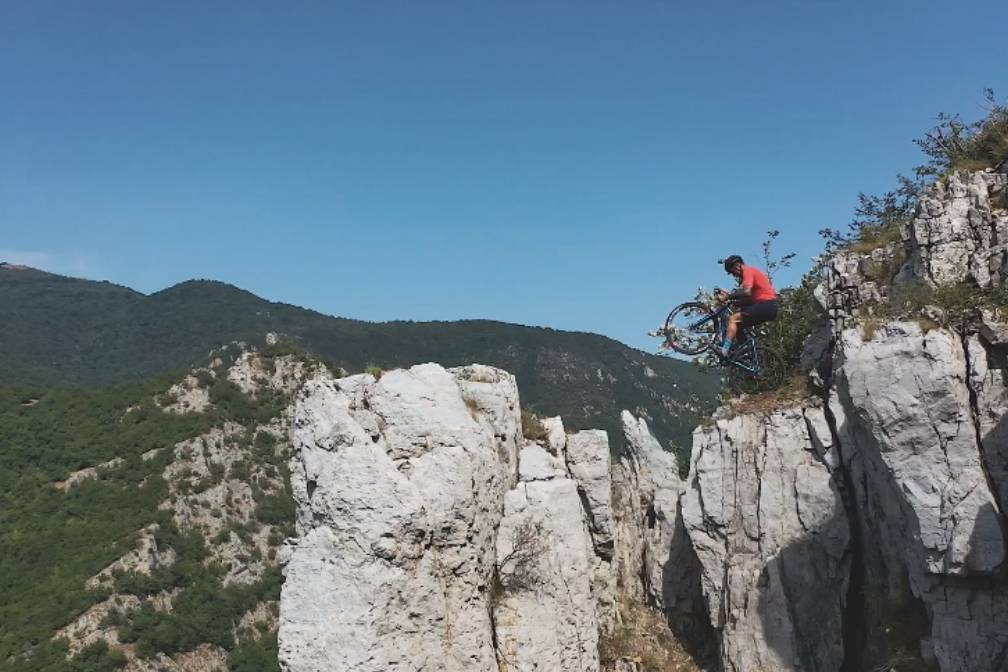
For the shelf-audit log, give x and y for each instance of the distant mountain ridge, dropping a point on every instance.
(61, 331)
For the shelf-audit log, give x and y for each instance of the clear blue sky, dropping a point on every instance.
(579, 165)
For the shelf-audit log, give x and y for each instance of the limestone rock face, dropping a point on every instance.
(854, 279)
(427, 541)
(988, 381)
(251, 373)
(770, 530)
(862, 529)
(655, 561)
(958, 234)
(587, 456)
(649, 490)
(920, 424)
(545, 616)
(919, 416)
(399, 486)
(187, 397)
(556, 437)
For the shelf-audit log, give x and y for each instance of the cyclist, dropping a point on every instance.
(755, 296)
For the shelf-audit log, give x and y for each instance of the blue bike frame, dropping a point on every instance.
(746, 355)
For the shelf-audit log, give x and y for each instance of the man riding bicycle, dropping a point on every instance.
(755, 297)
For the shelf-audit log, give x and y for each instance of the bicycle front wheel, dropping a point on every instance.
(691, 328)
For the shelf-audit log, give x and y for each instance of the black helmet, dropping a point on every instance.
(731, 261)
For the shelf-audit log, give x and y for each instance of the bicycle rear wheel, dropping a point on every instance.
(691, 328)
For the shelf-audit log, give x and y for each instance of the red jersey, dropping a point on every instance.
(758, 284)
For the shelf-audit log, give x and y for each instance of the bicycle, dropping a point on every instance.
(694, 327)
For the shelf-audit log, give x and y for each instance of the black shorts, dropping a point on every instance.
(757, 313)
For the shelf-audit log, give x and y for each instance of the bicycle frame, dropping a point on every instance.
(746, 355)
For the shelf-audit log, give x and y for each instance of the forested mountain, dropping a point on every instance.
(61, 331)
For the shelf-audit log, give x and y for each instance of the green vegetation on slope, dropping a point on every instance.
(54, 540)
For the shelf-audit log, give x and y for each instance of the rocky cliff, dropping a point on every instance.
(865, 528)
(860, 528)
(431, 534)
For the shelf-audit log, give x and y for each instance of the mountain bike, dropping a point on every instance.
(694, 327)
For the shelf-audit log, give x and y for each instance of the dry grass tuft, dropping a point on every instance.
(796, 391)
(532, 427)
(643, 637)
(869, 325)
(873, 237)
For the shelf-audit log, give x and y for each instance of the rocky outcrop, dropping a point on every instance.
(253, 373)
(187, 396)
(770, 530)
(917, 428)
(587, 455)
(958, 233)
(655, 563)
(866, 528)
(205, 658)
(867, 532)
(926, 492)
(399, 489)
(863, 528)
(86, 474)
(544, 614)
(144, 559)
(90, 627)
(432, 535)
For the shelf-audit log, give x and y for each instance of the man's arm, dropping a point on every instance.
(739, 293)
(742, 292)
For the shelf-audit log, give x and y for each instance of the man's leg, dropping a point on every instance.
(733, 325)
(734, 320)
(730, 332)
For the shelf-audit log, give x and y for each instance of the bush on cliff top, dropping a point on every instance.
(956, 145)
(951, 145)
(878, 219)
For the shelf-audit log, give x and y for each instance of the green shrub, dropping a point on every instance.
(96, 658)
(205, 612)
(962, 303)
(240, 471)
(253, 655)
(233, 404)
(878, 220)
(264, 446)
(275, 508)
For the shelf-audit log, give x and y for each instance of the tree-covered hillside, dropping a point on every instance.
(60, 331)
(132, 532)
